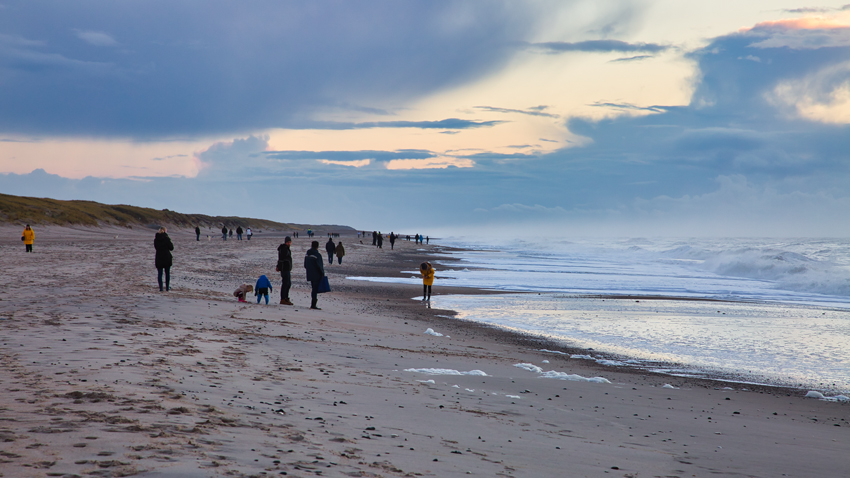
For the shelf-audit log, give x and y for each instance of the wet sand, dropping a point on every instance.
(103, 375)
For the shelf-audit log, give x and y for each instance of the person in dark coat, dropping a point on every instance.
(374, 238)
(392, 240)
(224, 233)
(238, 233)
(315, 271)
(380, 240)
(330, 247)
(197, 233)
(284, 265)
(162, 244)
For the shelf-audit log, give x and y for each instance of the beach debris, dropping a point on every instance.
(430, 331)
(667, 385)
(445, 371)
(544, 361)
(427, 381)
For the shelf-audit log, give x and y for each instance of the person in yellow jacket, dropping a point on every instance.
(427, 272)
(28, 237)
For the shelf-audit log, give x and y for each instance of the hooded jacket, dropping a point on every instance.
(263, 282)
(428, 276)
(330, 246)
(29, 236)
(314, 265)
(162, 244)
(340, 251)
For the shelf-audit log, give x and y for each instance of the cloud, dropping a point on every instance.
(631, 58)
(358, 163)
(450, 123)
(239, 69)
(533, 111)
(438, 162)
(599, 46)
(95, 38)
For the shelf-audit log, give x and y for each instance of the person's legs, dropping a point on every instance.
(29, 247)
(339, 258)
(330, 257)
(286, 284)
(429, 292)
(159, 277)
(168, 278)
(314, 293)
(267, 299)
(424, 291)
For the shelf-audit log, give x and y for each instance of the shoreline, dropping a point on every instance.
(102, 374)
(713, 376)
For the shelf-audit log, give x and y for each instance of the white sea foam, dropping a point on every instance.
(667, 385)
(430, 331)
(514, 396)
(445, 371)
(573, 377)
(820, 396)
(530, 367)
(427, 381)
(544, 361)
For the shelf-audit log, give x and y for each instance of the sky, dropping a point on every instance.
(624, 117)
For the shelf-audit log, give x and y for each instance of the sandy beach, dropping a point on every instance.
(103, 375)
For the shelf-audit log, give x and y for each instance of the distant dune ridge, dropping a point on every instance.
(29, 210)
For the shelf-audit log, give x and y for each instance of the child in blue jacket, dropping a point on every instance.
(262, 289)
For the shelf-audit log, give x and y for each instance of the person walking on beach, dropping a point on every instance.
(230, 233)
(28, 237)
(427, 239)
(284, 265)
(163, 245)
(249, 233)
(380, 240)
(238, 233)
(262, 289)
(427, 272)
(330, 247)
(340, 251)
(374, 238)
(224, 233)
(315, 271)
(197, 233)
(392, 240)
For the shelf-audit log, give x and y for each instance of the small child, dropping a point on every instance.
(427, 272)
(262, 289)
(242, 291)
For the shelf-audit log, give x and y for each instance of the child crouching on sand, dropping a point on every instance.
(242, 291)
(262, 289)
(427, 272)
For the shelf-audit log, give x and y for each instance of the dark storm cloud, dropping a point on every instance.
(161, 69)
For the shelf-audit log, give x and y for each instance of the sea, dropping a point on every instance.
(746, 310)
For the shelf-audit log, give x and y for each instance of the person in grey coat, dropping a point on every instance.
(315, 272)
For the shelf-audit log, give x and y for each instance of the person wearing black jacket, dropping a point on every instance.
(315, 271)
(163, 245)
(330, 247)
(284, 265)
(238, 233)
(197, 233)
